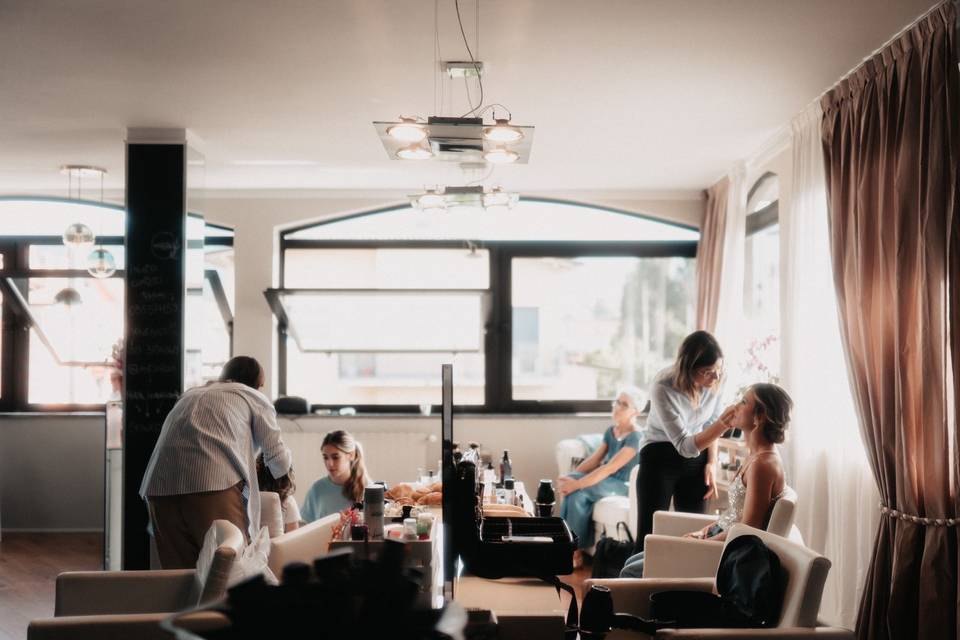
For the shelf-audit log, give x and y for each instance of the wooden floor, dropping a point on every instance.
(29, 564)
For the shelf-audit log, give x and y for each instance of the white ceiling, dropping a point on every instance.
(624, 95)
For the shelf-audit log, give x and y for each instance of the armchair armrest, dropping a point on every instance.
(671, 557)
(143, 626)
(632, 595)
(84, 593)
(677, 523)
(780, 633)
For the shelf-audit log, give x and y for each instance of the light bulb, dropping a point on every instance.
(407, 131)
(500, 155)
(100, 263)
(498, 198)
(432, 201)
(414, 152)
(78, 235)
(502, 132)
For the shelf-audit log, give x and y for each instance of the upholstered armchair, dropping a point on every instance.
(303, 544)
(127, 604)
(668, 555)
(805, 572)
(271, 513)
(608, 511)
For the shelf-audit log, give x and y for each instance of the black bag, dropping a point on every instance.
(611, 554)
(750, 586)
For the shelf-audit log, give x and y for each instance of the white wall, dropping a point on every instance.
(257, 219)
(52, 471)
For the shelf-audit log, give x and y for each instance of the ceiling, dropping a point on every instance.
(644, 96)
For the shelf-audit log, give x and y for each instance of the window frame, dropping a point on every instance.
(498, 339)
(15, 348)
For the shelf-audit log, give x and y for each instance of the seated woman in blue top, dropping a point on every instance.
(346, 479)
(604, 473)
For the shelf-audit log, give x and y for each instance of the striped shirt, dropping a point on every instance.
(209, 442)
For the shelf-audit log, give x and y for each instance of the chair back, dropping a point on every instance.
(271, 513)
(213, 568)
(303, 544)
(783, 512)
(632, 497)
(805, 572)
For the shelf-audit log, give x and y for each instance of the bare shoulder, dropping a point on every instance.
(766, 470)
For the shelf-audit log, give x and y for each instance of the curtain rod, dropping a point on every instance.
(926, 14)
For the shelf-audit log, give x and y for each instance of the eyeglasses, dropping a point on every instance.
(620, 404)
(710, 372)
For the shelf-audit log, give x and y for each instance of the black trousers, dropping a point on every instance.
(665, 474)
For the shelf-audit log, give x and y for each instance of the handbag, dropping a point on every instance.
(611, 554)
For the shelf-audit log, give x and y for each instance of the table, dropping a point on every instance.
(526, 608)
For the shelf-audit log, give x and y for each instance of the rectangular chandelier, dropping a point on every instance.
(465, 140)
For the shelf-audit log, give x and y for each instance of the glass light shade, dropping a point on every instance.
(414, 152)
(502, 132)
(498, 198)
(100, 263)
(432, 201)
(500, 156)
(78, 235)
(68, 297)
(407, 131)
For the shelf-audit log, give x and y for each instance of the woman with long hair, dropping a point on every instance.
(678, 453)
(764, 415)
(345, 481)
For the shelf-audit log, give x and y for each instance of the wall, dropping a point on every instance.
(51, 477)
(52, 473)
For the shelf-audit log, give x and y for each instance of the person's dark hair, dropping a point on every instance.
(772, 405)
(243, 369)
(699, 349)
(284, 485)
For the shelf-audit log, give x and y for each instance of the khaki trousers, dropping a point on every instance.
(181, 522)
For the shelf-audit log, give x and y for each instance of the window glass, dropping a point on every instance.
(81, 320)
(26, 217)
(761, 285)
(583, 326)
(530, 220)
(386, 269)
(58, 256)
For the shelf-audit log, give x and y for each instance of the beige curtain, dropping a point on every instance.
(891, 140)
(710, 255)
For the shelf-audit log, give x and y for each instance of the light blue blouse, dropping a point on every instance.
(324, 498)
(674, 419)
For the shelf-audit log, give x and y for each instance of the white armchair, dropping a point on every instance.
(127, 604)
(805, 572)
(670, 556)
(303, 544)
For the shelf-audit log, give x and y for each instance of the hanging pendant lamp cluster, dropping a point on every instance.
(79, 237)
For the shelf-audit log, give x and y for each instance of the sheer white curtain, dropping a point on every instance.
(729, 326)
(837, 512)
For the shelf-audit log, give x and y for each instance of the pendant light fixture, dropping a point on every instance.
(99, 263)
(466, 139)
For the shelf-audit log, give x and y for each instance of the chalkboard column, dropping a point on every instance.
(155, 292)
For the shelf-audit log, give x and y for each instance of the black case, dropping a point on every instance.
(479, 540)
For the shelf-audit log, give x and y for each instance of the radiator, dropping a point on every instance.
(389, 455)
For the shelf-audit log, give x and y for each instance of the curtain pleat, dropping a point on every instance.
(710, 255)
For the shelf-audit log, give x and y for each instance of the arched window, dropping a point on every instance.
(63, 329)
(546, 307)
(761, 286)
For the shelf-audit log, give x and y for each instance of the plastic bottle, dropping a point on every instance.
(506, 467)
(373, 506)
(510, 493)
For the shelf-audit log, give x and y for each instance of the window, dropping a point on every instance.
(62, 328)
(761, 286)
(546, 307)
